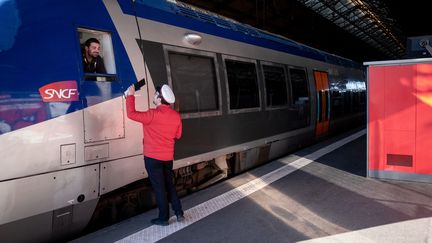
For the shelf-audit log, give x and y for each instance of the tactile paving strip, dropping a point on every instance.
(155, 233)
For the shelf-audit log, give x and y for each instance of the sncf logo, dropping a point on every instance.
(60, 91)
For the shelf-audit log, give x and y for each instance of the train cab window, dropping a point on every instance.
(97, 55)
(275, 86)
(195, 82)
(299, 86)
(242, 85)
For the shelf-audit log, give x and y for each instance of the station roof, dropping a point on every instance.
(362, 30)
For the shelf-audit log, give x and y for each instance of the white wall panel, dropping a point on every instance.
(104, 121)
(37, 149)
(115, 174)
(25, 197)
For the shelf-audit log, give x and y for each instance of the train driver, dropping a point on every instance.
(92, 61)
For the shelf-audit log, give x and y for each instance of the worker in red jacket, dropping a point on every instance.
(161, 126)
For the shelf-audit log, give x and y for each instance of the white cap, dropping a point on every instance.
(125, 94)
(167, 94)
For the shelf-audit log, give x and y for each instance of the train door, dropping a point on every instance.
(323, 103)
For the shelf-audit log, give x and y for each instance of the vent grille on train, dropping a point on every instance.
(400, 160)
(222, 23)
(214, 19)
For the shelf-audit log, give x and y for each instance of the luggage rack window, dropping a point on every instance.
(277, 92)
(97, 55)
(299, 86)
(195, 81)
(242, 82)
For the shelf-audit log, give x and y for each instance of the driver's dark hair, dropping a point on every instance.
(163, 101)
(91, 40)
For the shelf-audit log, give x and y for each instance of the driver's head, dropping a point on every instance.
(92, 47)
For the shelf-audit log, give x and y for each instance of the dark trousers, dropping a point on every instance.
(162, 179)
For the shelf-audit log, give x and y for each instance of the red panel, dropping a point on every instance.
(325, 86)
(399, 143)
(400, 113)
(424, 119)
(400, 118)
(319, 129)
(326, 114)
(376, 87)
(400, 98)
(317, 80)
(325, 82)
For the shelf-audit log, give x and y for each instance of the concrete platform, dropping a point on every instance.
(319, 194)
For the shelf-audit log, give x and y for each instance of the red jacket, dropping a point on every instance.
(161, 126)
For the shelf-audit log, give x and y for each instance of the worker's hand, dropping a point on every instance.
(131, 90)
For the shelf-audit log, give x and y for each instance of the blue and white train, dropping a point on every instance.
(68, 153)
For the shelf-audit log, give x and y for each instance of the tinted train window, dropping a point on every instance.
(299, 85)
(275, 84)
(97, 55)
(194, 82)
(337, 104)
(242, 84)
(337, 92)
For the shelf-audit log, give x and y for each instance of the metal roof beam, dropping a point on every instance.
(356, 17)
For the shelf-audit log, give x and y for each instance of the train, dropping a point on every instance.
(69, 154)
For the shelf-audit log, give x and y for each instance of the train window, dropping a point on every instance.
(299, 86)
(97, 55)
(242, 85)
(195, 82)
(337, 103)
(338, 92)
(275, 85)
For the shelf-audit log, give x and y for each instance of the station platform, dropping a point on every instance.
(319, 194)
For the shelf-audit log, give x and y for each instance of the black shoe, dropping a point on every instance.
(158, 221)
(180, 217)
